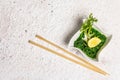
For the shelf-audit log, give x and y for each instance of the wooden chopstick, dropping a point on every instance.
(65, 57)
(87, 63)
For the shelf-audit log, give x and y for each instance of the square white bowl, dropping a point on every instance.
(77, 34)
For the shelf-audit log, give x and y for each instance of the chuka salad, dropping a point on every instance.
(90, 40)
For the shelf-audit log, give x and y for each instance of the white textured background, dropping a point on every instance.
(56, 20)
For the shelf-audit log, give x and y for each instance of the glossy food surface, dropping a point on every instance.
(81, 44)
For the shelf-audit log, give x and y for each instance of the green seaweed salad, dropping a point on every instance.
(90, 40)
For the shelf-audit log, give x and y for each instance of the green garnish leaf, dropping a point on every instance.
(87, 25)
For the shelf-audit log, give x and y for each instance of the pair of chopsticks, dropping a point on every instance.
(79, 60)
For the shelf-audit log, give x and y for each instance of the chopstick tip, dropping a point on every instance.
(36, 35)
(107, 74)
(29, 41)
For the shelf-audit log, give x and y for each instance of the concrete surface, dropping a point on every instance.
(56, 20)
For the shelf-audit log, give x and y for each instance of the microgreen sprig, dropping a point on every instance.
(87, 25)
